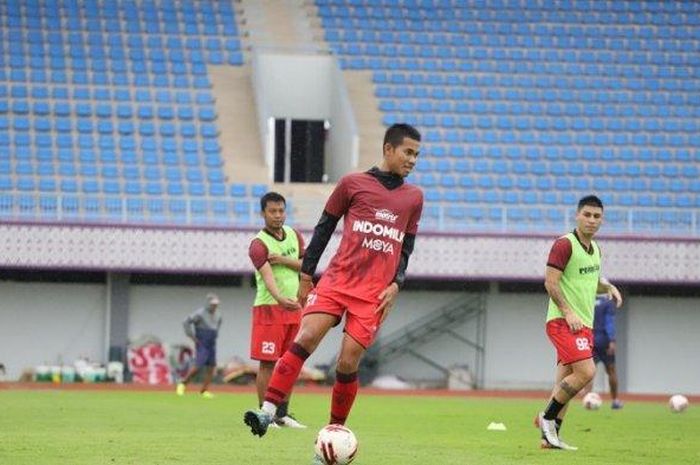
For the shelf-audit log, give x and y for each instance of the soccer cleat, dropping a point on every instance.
(616, 404)
(180, 389)
(549, 431)
(288, 421)
(544, 444)
(207, 395)
(258, 421)
(317, 460)
(536, 423)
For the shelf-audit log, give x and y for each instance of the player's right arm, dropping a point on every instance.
(551, 283)
(336, 206)
(271, 285)
(558, 258)
(259, 256)
(189, 325)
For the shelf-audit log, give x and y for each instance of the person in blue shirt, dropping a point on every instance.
(202, 327)
(604, 342)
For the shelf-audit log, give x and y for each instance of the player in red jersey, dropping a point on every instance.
(381, 214)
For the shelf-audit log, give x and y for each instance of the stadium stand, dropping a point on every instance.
(106, 110)
(527, 105)
(107, 113)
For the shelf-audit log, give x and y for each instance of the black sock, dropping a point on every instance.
(553, 409)
(282, 409)
(559, 422)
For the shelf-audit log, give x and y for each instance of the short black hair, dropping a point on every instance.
(396, 133)
(271, 197)
(591, 201)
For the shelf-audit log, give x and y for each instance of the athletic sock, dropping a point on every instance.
(285, 374)
(553, 409)
(282, 409)
(344, 392)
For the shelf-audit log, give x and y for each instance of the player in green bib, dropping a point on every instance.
(276, 253)
(572, 281)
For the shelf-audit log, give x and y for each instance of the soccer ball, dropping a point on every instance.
(336, 445)
(678, 403)
(592, 401)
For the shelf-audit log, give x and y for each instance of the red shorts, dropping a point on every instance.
(274, 330)
(571, 347)
(361, 321)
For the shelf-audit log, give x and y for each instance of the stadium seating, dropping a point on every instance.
(106, 110)
(107, 113)
(526, 105)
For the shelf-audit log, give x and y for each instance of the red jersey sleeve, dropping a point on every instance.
(257, 253)
(302, 245)
(412, 227)
(339, 200)
(560, 254)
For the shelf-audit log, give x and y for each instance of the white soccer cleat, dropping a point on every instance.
(289, 421)
(549, 431)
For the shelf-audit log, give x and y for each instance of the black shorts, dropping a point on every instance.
(600, 352)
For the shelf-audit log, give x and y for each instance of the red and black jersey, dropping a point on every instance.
(376, 219)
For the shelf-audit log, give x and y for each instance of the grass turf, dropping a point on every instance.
(72, 427)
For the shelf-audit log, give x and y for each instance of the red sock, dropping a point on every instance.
(285, 374)
(344, 392)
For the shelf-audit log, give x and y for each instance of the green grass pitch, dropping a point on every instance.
(159, 428)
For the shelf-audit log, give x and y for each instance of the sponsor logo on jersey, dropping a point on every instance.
(378, 245)
(386, 215)
(378, 229)
(384, 236)
(589, 269)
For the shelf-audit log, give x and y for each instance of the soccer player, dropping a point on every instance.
(381, 214)
(572, 281)
(604, 342)
(202, 326)
(276, 253)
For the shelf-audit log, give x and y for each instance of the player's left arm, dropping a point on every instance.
(289, 262)
(388, 295)
(606, 287)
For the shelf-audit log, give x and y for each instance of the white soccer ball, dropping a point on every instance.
(336, 445)
(678, 403)
(592, 401)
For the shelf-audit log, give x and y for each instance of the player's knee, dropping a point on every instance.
(586, 374)
(267, 366)
(348, 363)
(308, 339)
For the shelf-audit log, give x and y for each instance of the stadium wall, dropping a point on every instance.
(482, 256)
(50, 323)
(54, 322)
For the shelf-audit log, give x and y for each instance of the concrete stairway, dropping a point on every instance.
(364, 104)
(239, 136)
(369, 119)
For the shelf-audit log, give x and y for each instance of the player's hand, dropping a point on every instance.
(289, 304)
(574, 322)
(387, 297)
(614, 293)
(305, 286)
(611, 348)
